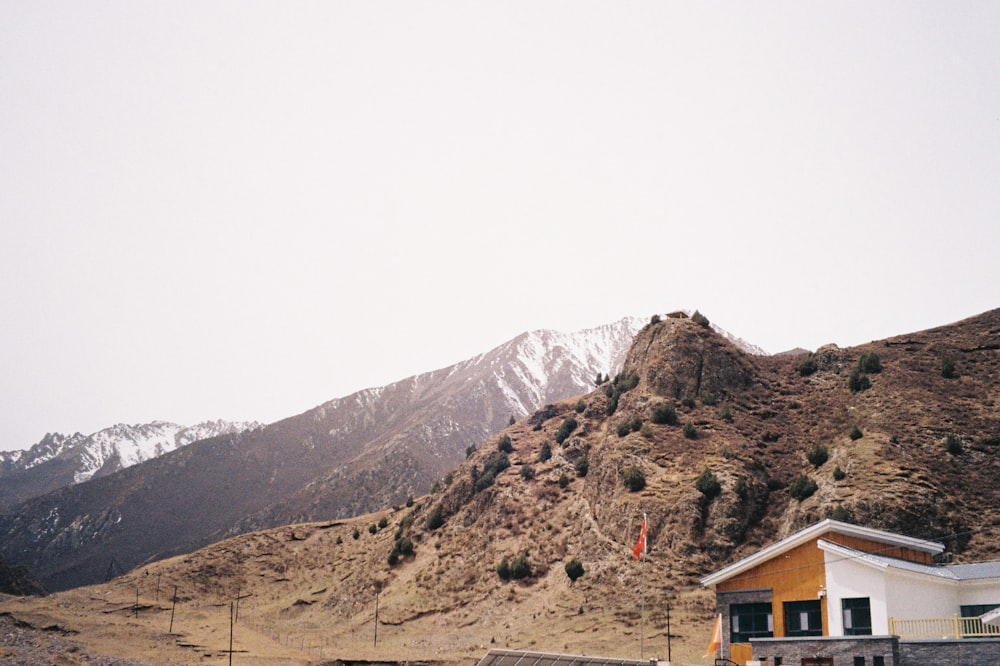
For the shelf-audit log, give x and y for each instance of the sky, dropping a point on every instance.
(241, 210)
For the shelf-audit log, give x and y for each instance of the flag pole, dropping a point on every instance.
(642, 613)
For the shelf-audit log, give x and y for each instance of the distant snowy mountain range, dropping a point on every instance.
(59, 460)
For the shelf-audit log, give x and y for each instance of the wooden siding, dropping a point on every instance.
(800, 574)
(878, 548)
(797, 575)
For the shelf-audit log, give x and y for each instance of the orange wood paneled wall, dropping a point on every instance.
(797, 575)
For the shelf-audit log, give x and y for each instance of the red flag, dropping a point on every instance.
(713, 645)
(640, 545)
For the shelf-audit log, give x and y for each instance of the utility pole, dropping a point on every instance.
(668, 632)
(375, 643)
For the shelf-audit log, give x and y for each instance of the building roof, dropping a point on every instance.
(498, 657)
(954, 572)
(813, 531)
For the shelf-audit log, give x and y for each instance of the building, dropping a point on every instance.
(837, 594)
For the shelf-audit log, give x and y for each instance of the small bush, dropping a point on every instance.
(725, 414)
(563, 480)
(664, 415)
(870, 363)
(435, 519)
(393, 559)
(373, 528)
(574, 569)
(569, 424)
(624, 428)
(953, 444)
(409, 501)
(802, 488)
(527, 472)
(505, 445)
(948, 368)
(469, 450)
(520, 567)
(356, 534)
(690, 431)
(582, 466)
(856, 433)
(708, 484)
(817, 455)
(503, 569)
(688, 402)
(340, 540)
(621, 384)
(741, 489)
(545, 453)
(858, 381)
(841, 514)
(646, 431)
(807, 366)
(700, 319)
(634, 479)
(708, 398)
(511, 421)
(839, 474)
(580, 406)
(383, 522)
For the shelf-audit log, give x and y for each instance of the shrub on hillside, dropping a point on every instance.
(520, 567)
(664, 414)
(953, 444)
(545, 452)
(839, 474)
(435, 519)
(527, 472)
(725, 414)
(700, 319)
(574, 569)
(624, 428)
(817, 455)
(503, 569)
(708, 484)
(655, 319)
(621, 384)
(563, 480)
(582, 466)
(870, 363)
(948, 368)
(802, 487)
(807, 366)
(646, 431)
(856, 433)
(633, 478)
(690, 431)
(569, 424)
(505, 445)
(708, 398)
(858, 381)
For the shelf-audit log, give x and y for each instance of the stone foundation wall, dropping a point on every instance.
(843, 651)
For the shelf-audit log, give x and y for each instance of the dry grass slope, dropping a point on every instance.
(307, 593)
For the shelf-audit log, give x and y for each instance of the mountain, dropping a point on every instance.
(351, 455)
(723, 452)
(60, 460)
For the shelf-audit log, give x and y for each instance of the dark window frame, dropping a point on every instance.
(752, 620)
(860, 611)
(813, 608)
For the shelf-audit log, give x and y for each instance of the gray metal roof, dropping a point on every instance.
(956, 572)
(499, 657)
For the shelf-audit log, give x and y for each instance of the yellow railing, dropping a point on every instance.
(941, 627)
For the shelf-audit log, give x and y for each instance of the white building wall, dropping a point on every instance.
(979, 592)
(913, 596)
(848, 579)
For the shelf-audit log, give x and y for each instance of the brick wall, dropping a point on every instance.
(965, 652)
(842, 650)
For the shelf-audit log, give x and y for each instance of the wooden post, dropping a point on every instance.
(172, 607)
(668, 633)
(230, 633)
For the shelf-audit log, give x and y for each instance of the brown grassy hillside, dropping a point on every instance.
(923, 462)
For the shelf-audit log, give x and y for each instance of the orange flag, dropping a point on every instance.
(713, 647)
(640, 545)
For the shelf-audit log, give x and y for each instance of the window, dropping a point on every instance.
(803, 618)
(859, 661)
(857, 616)
(751, 621)
(777, 661)
(878, 661)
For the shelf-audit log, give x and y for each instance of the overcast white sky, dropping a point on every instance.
(240, 210)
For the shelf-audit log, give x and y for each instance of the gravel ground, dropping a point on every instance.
(25, 645)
